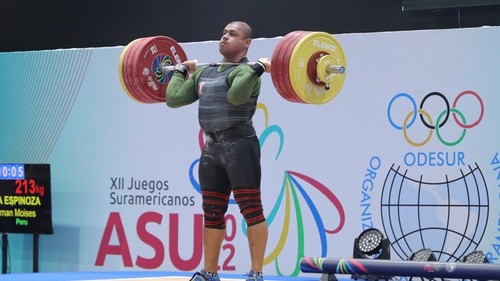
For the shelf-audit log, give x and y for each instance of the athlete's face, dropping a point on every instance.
(233, 41)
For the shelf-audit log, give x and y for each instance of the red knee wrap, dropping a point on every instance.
(214, 208)
(250, 204)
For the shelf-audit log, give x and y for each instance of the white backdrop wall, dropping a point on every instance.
(329, 171)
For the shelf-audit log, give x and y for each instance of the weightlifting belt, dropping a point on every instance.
(236, 131)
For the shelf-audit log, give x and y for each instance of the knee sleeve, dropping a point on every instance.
(250, 204)
(214, 208)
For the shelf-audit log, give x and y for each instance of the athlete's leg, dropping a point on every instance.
(214, 208)
(245, 177)
(257, 240)
(212, 240)
(215, 199)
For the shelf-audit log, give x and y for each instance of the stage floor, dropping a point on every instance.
(131, 276)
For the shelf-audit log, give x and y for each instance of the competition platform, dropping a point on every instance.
(129, 276)
(316, 268)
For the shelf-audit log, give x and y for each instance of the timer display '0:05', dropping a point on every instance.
(12, 172)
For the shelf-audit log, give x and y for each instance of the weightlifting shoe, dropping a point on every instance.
(204, 276)
(254, 276)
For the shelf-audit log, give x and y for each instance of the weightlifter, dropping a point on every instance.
(230, 161)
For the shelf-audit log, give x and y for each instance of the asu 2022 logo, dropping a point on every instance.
(434, 117)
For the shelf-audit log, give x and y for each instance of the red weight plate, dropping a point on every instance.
(135, 73)
(121, 70)
(286, 66)
(162, 51)
(138, 91)
(278, 62)
(128, 71)
(279, 68)
(151, 54)
(135, 87)
(282, 72)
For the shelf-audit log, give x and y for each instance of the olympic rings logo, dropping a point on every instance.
(442, 117)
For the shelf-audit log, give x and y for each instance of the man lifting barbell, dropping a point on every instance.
(308, 67)
(230, 161)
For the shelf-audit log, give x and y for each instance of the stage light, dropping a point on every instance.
(371, 244)
(476, 257)
(424, 254)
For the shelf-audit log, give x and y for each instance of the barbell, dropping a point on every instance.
(307, 67)
(328, 68)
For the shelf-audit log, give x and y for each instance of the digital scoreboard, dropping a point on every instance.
(25, 201)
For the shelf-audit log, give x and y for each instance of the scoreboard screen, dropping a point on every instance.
(25, 201)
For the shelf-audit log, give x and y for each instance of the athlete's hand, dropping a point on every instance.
(267, 64)
(191, 65)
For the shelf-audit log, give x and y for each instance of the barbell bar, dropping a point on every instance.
(327, 69)
(307, 67)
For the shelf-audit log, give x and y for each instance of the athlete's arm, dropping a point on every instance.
(180, 92)
(244, 83)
